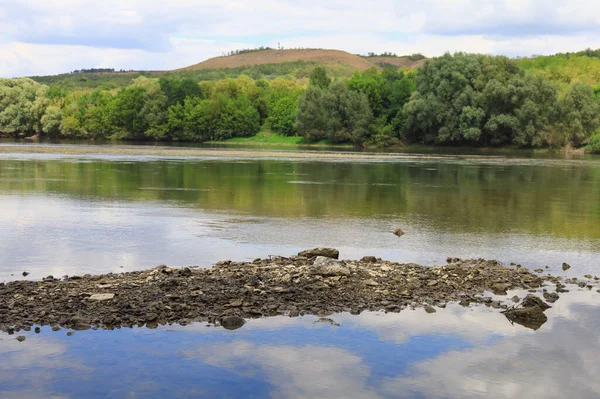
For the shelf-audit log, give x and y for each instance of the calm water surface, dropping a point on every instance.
(73, 215)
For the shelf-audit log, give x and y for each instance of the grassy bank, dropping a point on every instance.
(269, 138)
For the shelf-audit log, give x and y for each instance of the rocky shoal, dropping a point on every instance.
(314, 282)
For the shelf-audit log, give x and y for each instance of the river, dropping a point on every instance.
(99, 213)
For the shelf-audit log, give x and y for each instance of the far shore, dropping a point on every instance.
(245, 153)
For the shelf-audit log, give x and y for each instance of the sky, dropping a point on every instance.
(41, 37)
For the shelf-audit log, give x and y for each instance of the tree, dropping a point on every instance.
(319, 78)
(314, 118)
(580, 114)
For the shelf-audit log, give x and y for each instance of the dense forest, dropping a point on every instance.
(459, 99)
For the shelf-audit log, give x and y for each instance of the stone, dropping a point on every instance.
(432, 283)
(48, 279)
(21, 338)
(566, 266)
(369, 259)
(325, 266)
(398, 232)
(515, 299)
(151, 317)
(25, 274)
(185, 272)
(101, 297)
(324, 252)
(328, 321)
(551, 297)
(532, 300)
(371, 283)
(532, 317)
(232, 322)
(430, 309)
(236, 303)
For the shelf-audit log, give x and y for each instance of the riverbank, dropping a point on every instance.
(230, 292)
(274, 152)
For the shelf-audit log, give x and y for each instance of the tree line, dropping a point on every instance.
(459, 99)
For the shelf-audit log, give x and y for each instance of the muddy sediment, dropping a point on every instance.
(230, 292)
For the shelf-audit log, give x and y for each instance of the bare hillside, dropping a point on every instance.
(283, 56)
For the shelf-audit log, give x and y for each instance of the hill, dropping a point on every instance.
(265, 57)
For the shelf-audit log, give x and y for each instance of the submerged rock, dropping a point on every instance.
(232, 322)
(532, 317)
(551, 296)
(25, 274)
(532, 300)
(21, 338)
(566, 266)
(328, 321)
(430, 309)
(325, 252)
(398, 232)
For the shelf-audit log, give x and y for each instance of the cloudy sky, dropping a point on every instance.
(46, 37)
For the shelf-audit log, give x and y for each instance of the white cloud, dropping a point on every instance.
(294, 372)
(39, 37)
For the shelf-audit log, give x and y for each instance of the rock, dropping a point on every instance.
(25, 274)
(328, 321)
(532, 300)
(539, 271)
(150, 317)
(371, 283)
(565, 266)
(48, 279)
(399, 232)
(232, 322)
(37, 330)
(70, 333)
(369, 259)
(236, 303)
(551, 296)
(101, 297)
(21, 338)
(515, 299)
(324, 252)
(325, 266)
(532, 317)
(430, 309)
(432, 283)
(185, 272)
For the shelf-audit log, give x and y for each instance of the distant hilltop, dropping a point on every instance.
(320, 56)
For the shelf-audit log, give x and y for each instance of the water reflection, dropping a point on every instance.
(456, 352)
(72, 216)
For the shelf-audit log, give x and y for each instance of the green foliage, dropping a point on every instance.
(460, 99)
(485, 100)
(336, 114)
(580, 112)
(594, 146)
(319, 78)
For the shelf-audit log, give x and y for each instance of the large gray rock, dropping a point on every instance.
(532, 300)
(329, 267)
(326, 252)
(532, 317)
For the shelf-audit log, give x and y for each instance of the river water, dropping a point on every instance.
(66, 215)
